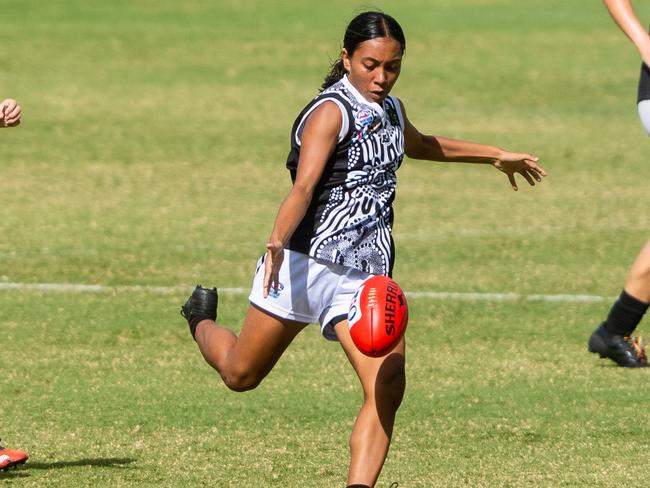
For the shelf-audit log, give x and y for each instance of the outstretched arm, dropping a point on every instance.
(318, 141)
(623, 14)
(10, 113)
(434, 148)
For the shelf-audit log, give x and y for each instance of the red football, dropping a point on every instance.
(378, 315)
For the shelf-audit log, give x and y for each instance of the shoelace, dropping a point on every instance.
(639, 345)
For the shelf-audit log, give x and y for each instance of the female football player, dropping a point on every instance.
(611, 338)
(333, 230)
(10, 113)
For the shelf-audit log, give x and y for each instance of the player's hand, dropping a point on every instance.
(10, 113)
(272, 264)
(524, 164)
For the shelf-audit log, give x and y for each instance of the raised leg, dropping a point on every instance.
(244, 361)
(610, 339)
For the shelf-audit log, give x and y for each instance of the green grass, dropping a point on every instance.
(152, 153)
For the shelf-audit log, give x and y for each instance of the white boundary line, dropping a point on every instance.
(169, 290)
(84, 288)
(505, 297)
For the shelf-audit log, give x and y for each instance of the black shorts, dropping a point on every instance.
(644, 84)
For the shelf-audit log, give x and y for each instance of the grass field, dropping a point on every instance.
(152, 153)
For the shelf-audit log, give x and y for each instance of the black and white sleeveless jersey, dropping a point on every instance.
(349, 221)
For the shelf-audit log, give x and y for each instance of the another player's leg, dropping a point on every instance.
(611, 338)
(638, 279)
(11, 457)
(383, 380)
(644, 114)
(244, 361)
(643, 99)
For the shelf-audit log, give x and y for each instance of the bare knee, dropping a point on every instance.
(241, 380)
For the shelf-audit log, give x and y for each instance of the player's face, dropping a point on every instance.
(374, 67)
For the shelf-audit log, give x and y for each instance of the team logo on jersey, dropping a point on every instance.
(275, 293)
(364, 118)
(366, 122)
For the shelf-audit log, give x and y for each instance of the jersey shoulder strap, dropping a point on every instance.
(346, 116)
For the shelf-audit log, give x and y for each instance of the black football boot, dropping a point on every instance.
(622, 350)
(201, 305)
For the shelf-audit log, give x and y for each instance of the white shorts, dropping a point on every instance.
(311, 290)
(644, 113)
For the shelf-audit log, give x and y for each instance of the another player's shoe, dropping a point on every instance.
(201, 305)
(11, 457)
(624, 351)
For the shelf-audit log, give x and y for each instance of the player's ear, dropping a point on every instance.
(346, 59)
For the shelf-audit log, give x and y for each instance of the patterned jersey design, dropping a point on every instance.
(350, 219)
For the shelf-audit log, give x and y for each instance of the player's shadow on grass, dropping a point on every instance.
(99, 462)
(7, 475)
(23, 471)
